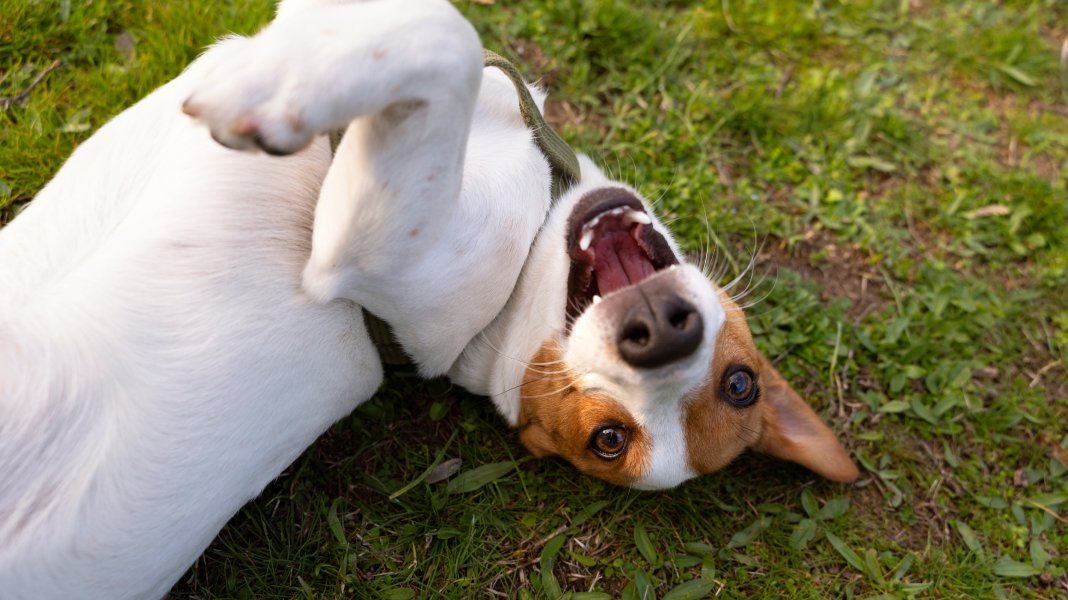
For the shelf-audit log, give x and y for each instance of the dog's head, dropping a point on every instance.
(653, 377)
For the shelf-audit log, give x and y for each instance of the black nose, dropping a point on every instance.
(660, 328)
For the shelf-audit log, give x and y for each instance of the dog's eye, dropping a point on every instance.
(609, 442)
(739, 386)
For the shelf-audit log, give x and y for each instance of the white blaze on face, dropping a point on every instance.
(654, 397)
(668, 465)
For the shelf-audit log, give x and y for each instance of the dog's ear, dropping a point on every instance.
(537, 440)
(793, 431)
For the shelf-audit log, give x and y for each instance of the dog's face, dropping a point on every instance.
(654, 378)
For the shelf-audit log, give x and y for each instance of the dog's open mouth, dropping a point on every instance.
(612, 245)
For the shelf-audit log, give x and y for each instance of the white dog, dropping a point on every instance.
(179, 320)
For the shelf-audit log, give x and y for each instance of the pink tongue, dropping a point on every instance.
(619, 262)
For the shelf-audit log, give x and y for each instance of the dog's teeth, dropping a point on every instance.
(637, 216)
(587, 238)
(596, 298)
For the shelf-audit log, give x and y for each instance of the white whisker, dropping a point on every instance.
(491, 346)
(569, 384)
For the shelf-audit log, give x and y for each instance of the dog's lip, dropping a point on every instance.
(613, 245)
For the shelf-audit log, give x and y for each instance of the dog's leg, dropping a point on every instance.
(325, 64)
(403, 78)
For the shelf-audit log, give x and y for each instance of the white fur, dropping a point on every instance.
(159, 360)
(179, 320)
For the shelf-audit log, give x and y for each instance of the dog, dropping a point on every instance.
(182, 306)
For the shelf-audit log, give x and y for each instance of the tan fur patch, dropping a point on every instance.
(779, 423)
(716, 431)
(557, 418)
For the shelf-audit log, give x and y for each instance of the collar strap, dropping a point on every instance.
(563, 163)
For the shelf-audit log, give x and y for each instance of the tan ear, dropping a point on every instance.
(537, 440)
(793, 431)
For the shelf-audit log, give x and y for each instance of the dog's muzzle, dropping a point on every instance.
(659, 326)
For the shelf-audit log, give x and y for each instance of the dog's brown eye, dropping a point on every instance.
(609, 442)
(739, 386)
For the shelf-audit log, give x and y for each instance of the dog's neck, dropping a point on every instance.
(494, 362)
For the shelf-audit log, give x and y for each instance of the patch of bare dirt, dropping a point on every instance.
(560, 113)
(522, 564)
(536, 66)
(842, 270)
(534, 63)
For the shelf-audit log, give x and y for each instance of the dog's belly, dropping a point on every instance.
(151, 320)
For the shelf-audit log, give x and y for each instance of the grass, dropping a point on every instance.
(895, 169)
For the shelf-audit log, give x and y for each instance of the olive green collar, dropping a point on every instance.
(562, 160)
(563, 165)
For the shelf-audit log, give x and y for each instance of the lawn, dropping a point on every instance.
(888, 177)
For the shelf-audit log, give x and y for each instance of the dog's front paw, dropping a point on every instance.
(248, 103)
